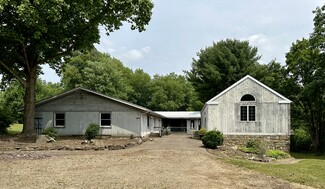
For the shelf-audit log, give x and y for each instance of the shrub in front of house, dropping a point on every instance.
(92, 131)
(212, 139)
(254, 146)
(253, 143)
(202, 131)
(51, 132)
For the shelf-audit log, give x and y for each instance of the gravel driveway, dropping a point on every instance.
(172, 161)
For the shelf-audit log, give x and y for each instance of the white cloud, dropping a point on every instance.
(132, 55)
(146, 49)
(270, 47)
(266, 46)
(105, 45)
(110, 50)
(258, 40)
(262, 42)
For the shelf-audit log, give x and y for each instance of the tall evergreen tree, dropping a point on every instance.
(221, 65)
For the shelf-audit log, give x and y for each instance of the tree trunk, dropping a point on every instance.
(315, 141)
(28, 133)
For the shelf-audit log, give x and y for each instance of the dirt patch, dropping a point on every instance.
(173, 161)
(15, 155)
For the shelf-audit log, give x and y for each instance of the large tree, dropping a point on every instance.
(142, 88)
(172, 92)
(305, 67)
(97, 71)
(220, 65)
(36, 32)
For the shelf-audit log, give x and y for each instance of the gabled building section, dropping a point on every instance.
(249, 109)
(71, 112)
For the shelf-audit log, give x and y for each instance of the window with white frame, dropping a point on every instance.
(105, 119)
(59, 120)
(247, 108)
(247, 113)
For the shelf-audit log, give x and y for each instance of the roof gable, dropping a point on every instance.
(61, 95)
(284, 99)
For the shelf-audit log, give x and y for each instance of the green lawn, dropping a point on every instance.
(310, 171)
(15, 129)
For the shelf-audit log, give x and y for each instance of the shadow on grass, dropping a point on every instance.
(307, 156)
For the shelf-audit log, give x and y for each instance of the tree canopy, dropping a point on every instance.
(102, 73)
(220, 65)
(302, 80)
(39, 32)
(305, 65)
(172, 92)
(142, 88)
(97, 71)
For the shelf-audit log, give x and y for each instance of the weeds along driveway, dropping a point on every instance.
(173, 161)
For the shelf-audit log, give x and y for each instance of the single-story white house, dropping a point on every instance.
(181, 121)
(249, 109)
(245, 110)
(71, 112)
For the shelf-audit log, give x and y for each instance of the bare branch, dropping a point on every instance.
(60, 54)
(22, 81)
(25, 56)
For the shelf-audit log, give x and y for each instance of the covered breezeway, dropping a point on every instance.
(181, 121)
(176, 125)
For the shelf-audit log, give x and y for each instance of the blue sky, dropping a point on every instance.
(180, 28)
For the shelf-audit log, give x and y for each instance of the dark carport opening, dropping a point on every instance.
(176, 125)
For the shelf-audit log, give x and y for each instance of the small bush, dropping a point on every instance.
(277, 154)
(202, 131)
(92, 131)
(248, 150)
(255, 146)
(51, 132)
(212, 139)
(253, 143)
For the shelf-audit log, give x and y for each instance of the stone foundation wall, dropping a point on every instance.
(278, 142)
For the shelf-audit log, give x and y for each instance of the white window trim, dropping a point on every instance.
(100, 120)
(59, 126)
(247, 115)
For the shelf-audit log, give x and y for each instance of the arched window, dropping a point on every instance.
(247, 108)
(247, 97)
